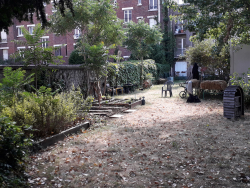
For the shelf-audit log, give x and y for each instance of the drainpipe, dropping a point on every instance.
(159, 12)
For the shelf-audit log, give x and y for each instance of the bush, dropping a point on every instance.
(13, 149)
(75, 58)
(242, 81)
(48, 113)
(129, 71)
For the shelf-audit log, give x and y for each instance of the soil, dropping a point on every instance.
(165, 143)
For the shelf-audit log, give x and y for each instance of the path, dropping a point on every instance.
(166, 143)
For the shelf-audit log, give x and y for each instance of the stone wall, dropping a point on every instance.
(69, 74)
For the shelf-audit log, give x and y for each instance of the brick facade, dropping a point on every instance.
(139, 9)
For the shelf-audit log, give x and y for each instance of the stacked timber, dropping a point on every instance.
(233, 102)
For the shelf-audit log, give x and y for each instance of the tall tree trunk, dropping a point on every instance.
(141, 71)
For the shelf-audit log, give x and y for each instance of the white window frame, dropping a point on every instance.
(58, 45)
(21, 48)
(152, 17)
(29, 27)
(77, 33)
(127, 12)
(139, 3)
(3, 37)
(4, 50)
(154, 5)
(53, 9)
(44, 43)
(19, 30)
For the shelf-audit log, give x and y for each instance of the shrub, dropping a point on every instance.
(75, 58)
(48, 113)
(242, 81)
(13, 149)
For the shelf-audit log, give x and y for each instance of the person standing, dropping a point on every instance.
(195, 72)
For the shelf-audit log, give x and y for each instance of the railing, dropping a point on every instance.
(179, 51)
(3, 40)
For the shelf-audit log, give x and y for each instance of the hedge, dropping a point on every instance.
(129, 71)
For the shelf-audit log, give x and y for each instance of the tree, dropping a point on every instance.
(139, 39)
(75, 58)
(204, 53)
(99, 27)
(23, 11)
(223, 19)
(34, 53)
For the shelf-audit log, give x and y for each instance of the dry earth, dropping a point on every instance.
(166, 143)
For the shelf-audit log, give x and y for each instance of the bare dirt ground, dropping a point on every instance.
(166, 143)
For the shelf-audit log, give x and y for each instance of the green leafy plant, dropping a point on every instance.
(242, 81)
(129, 71)
(34, 52)
(139, 39)
(13, 149)
(48, 112)
(12, 83)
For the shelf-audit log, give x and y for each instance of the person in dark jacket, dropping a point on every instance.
(195, 72)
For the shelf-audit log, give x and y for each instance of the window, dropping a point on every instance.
(139, 2)
(127, 15)
(19, 31)
(152, 22)
(31, 28)
(180, 1)
(58, 49)
(152, 4)
(3, 36)
(53, 6)
(5, 55)
(45, 42)
(77, 33)
(66, 50)
(21, 50)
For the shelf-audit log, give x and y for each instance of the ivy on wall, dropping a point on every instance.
(129, 71)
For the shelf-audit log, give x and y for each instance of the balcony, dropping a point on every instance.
(77, 36)
(179, 52)
(179, 29)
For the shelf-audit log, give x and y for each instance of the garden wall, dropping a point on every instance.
(67, 75)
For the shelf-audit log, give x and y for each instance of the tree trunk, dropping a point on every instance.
(141, 72)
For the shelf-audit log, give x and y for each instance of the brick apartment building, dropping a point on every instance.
(128, 10)
(15, 33)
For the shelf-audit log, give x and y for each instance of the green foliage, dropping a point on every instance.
(129, 72)
(242, 81)
(168, 41)
(75, 58)
(48, 112)
(96, 57)
(224, 20)
(139, 39)
(13, 149)
(206, 54)
(34, 53)
(12, 83)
